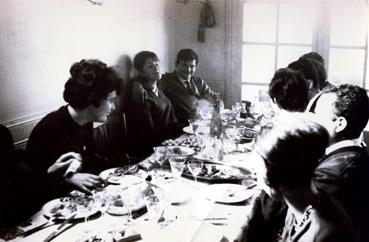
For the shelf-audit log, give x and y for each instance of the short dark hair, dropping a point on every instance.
(291, 146)
(313, 55)
(187, 55)
(352, 103)
(90, 82)
(312, 70)
(290, 90)
(141, 57)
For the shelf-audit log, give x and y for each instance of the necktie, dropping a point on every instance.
(188, 86)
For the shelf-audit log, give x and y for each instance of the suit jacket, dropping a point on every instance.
(184, 101)
(344, 174)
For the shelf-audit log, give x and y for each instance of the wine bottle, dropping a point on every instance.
(216, 127)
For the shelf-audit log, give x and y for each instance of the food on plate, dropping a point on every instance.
(64, 207)
(177, 151)
(129, 169)
(210, 171)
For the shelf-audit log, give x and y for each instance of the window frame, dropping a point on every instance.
(320, 44)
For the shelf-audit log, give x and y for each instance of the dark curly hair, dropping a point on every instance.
(141, 57)
(290, 90)
(313, 55)
(352, 103)
(312, 70)
(90, 82)
(291, 146)
(187, 55)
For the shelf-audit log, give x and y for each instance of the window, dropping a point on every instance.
(275, 33)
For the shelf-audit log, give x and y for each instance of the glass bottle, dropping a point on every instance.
(216, 126)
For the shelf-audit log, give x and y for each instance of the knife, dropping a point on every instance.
(59, 228)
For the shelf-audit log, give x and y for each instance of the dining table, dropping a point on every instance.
(203, 210)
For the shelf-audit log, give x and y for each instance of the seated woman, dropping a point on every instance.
(289, 153)
(64, 137)
(289, 90)
(152, 121)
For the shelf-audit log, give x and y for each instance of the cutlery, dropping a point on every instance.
(59, 228)
(207, 219)
(38, 228)
(219, 224)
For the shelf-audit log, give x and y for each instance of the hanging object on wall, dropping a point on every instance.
(97, 2)
(207, 20)
(182, 1)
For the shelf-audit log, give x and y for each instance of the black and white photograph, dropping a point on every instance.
(184, 120)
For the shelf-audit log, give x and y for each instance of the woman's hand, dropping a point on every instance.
(63, 162)
(84, 181)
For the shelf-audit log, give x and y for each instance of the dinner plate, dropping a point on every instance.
(213, 173)
(228, 193)
(63, 208)
(188, 130)
(115, 176)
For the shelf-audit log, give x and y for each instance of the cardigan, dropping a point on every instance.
(56, 134)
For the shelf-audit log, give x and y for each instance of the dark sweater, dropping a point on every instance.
(150, 123)
(55, 135)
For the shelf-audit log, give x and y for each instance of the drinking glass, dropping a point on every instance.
(265, 104)
(233, 134)
(236, 109)
(154, 207)
(195, 167)
(101, 200)
(84, 207)
(177, 164)
(160, 154)
(193, 124)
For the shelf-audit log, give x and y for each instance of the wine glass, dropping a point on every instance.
(195, 167)
(101, 200)
(236, 109)
(84, 207)
(160, 154)
(233, 134)
(154, 207)
(177, 164)
(193, 125)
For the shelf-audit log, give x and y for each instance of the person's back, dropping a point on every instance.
(345, 174)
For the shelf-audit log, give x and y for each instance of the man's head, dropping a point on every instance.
(147, 64)
(289, 90)
(344, 111)
(314, 73)
(313, 55)
(290, 147)
(186, 63)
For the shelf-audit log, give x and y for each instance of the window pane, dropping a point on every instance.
(367, 71)
(288, 54)
(259, 22)
(346, 66)
(258, 63)
(296, 23)
(251, 91)
(348, 23)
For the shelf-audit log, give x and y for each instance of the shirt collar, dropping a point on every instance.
(342, 144)
(183, 81)
(155, 90)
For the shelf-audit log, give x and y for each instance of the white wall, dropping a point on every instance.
(40, 39)
(213, 52)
